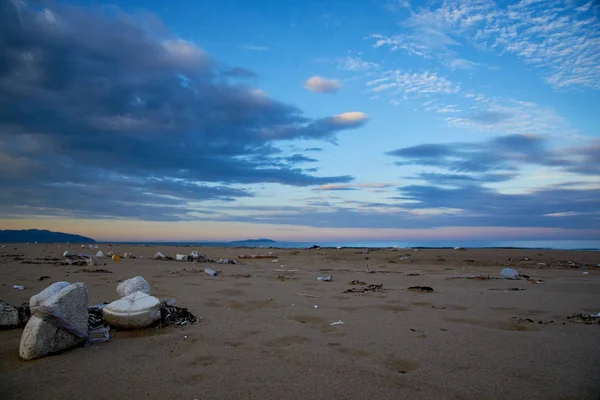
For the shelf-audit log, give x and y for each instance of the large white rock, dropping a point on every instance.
(137, 310)
(130, 286)
(9, 316)
(45, 294)
(41, 338)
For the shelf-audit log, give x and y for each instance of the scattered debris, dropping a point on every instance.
(477, 278)
(94, 270)
(181, 257)
(284, 278)
(509, 273)
(41, 278)
(507, 289)
(18, 287)
(240, 276)
(172, 315)
(158, 256)
(587, 319)
(413, 274)
(327, 278)
(253, 256)
(340, 322)
(364, 289)
(210, 271)
(355, 282)
(421, 289)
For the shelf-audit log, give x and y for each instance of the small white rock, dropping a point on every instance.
(130, 286)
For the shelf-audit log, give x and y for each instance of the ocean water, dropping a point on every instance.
(525, 244)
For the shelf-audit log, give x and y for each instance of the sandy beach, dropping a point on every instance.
(265, 329)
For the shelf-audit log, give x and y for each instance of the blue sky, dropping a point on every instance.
(338, 120)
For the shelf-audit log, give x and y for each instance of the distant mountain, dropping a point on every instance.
(253, 241)
(35, 235)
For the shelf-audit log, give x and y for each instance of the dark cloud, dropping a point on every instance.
(504, 153)
(99, 98)
(314, 149)
(421, 207)
(300, 158)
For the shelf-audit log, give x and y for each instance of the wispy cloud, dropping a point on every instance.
(561, 39)
(412, 83)
(334, 187)
(355, 63)
(321, 85)
(253, 48)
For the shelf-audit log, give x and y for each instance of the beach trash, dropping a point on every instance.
(509, 273)
(100, 254)
(340, 322)
(130, 286)
(58, 324)
(210, 271)
(194, 255)
(116, 257)
(9, 316)
(66, 254)
(41, 297)
(110, 253)
(327, 278)
(158, 256)
(181, 257)
(18, 287)
(137, 310)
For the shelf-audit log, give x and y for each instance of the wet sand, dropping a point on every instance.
(261, 337)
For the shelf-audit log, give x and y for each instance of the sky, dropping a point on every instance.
(338, 120)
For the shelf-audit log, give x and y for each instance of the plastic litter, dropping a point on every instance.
(181, 257)
(159, 256)
(327, 278)
(340, 322)
(210, 271)
(116, 257)
(509, 273)
(316, 306)
(18, 287)
(585, 273)
(100, 254)
(66, 254)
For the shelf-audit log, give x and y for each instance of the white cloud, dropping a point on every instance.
(253, 48)
(350, 118)
(413, 83)
(350, 63)
(560, 40)
(321, 85)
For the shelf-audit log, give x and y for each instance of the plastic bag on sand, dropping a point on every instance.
(509, 273)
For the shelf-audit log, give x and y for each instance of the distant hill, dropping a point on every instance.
(254, 241)
(41, 236)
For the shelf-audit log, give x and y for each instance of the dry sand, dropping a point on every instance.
(259, 339)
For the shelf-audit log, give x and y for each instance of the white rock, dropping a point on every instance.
(99, 253)
(159, 256)
(9, 315)
(130, 286)
(66, 253)
(45, 294)
(41, 338)
(137, 310)
(181, 257)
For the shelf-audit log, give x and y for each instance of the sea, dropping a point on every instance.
(590, 245)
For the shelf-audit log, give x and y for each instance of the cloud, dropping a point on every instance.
(101, 111)
(335, 187)
(353, 63)
(253, 48)
(313, 149)
(499, 156)
(561, 40)
(409, 83)
(322, 85)
(329, 187)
